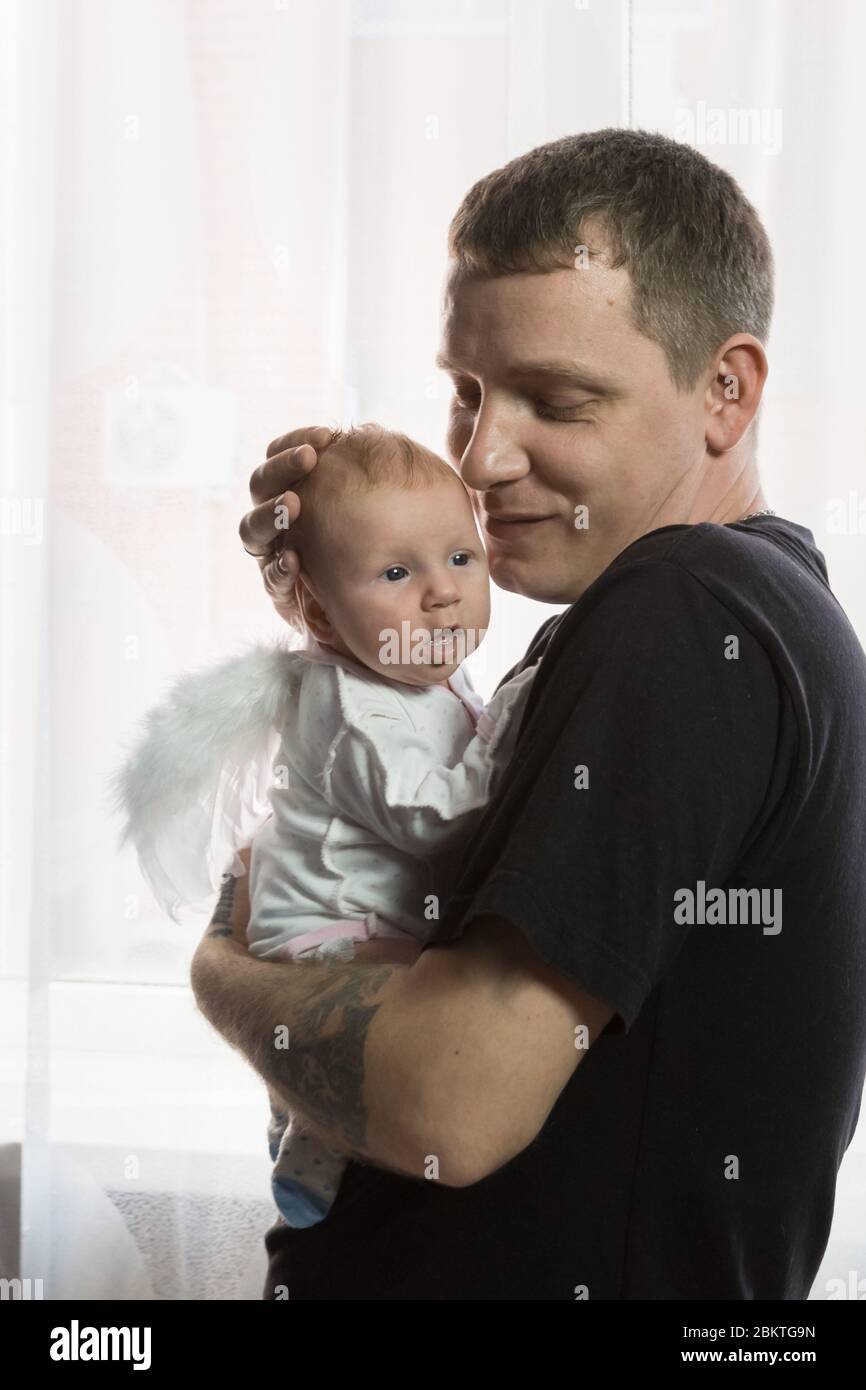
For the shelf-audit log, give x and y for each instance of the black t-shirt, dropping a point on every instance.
(714, 694)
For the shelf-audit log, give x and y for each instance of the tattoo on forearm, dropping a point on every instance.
(323, 1066)
(220, 923)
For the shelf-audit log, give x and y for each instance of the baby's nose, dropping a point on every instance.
(443, 594)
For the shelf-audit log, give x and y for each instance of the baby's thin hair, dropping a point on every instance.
(376, 456)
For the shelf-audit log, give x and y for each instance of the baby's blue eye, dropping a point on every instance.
(461, 557)
(394, 572)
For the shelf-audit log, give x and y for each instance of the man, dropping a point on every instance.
(633, 1062)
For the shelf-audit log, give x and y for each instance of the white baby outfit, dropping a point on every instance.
(359, 795)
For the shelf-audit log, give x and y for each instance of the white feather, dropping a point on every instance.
(196, 785)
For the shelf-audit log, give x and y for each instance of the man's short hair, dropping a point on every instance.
(700, 262)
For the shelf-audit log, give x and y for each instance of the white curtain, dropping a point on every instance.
(220, 220)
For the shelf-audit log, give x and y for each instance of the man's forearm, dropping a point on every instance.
(304, 1029)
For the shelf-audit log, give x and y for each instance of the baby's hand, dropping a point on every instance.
(264, 530)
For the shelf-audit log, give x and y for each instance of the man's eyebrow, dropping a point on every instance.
(562, 369)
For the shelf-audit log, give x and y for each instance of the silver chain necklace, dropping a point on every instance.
(751, 516)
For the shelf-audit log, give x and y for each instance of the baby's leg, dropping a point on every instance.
(306, 1176)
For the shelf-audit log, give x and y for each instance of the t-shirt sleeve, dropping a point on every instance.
(642, 769)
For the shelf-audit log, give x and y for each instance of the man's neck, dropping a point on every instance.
(734, 508)
(728, 490)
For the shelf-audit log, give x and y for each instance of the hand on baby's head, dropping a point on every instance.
(264, 530)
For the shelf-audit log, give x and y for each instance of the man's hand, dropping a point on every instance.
(264, 531)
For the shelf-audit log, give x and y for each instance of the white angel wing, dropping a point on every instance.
(196, 786)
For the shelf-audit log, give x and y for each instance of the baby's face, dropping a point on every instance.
(408, 563)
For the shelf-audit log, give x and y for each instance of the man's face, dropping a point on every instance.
(560, 404)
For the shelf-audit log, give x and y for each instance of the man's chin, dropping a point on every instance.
(536, 578)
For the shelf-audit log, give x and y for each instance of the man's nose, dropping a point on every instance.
(494, 453)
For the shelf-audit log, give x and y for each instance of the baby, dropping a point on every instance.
(357, 763)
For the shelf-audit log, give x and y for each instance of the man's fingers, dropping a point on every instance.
(264, 531)
(317, 435)
(289, 459)
(282, 471)
(268, 522)
(279, 575)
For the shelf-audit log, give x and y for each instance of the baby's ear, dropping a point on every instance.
(312, 610)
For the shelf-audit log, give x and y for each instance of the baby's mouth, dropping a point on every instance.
(441, 644)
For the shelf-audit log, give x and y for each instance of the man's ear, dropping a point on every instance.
(734, 393)
(313, 610)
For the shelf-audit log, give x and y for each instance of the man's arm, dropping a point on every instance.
(458, 1058)
(493, 1035)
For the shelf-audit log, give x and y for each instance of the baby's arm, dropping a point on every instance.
(385, 776)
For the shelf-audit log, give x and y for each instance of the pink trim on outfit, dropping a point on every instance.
(354, 928)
